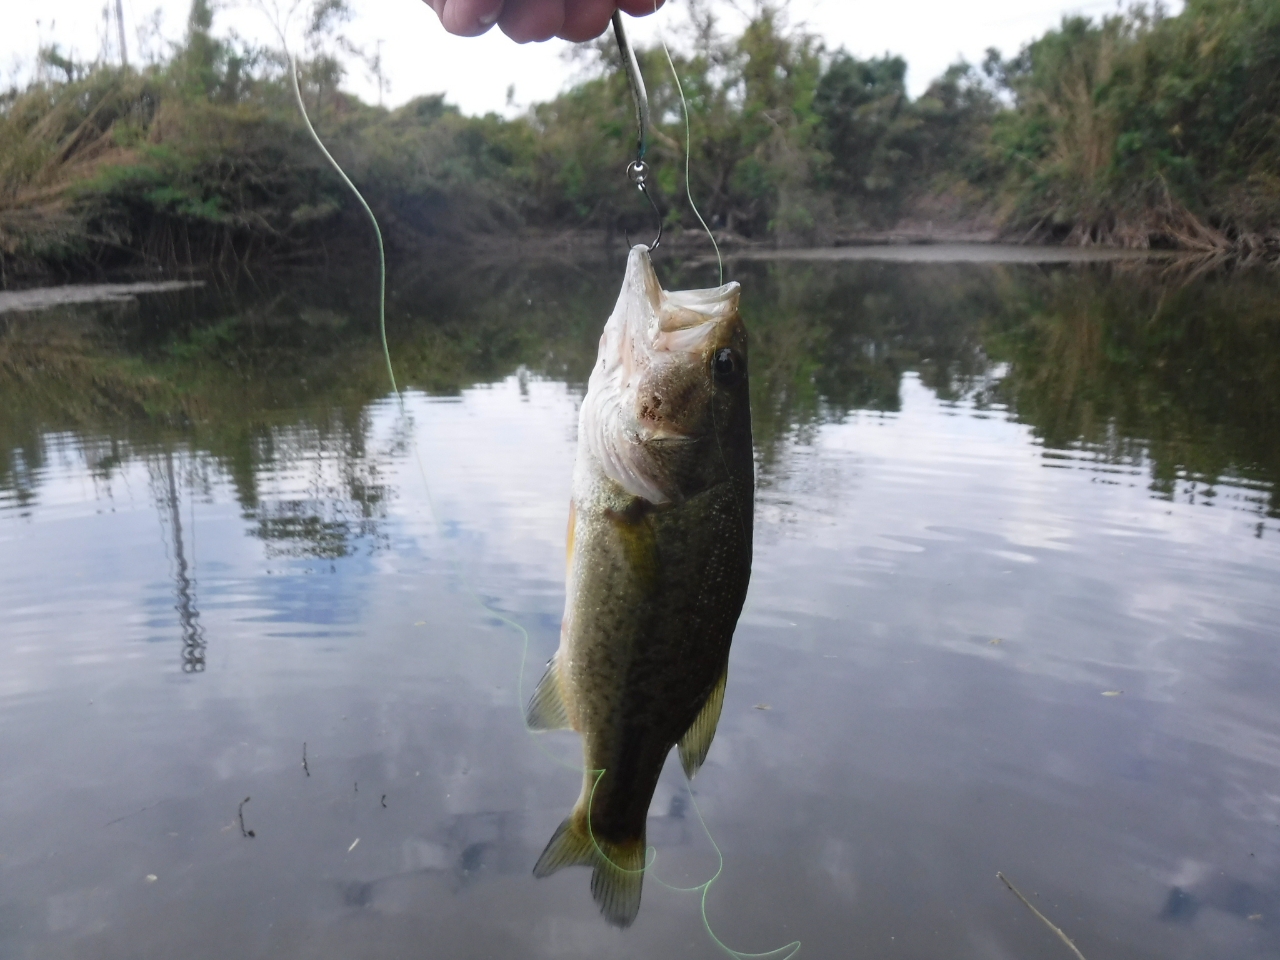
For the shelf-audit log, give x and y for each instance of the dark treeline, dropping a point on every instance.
(1141, 129)
(1114, 368)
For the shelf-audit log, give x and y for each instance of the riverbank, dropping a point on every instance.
(588, 248)
(1136, 131)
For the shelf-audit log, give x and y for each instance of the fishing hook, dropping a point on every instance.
(637, 169)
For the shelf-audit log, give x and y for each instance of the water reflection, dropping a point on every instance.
(963, 540)
(1113, 365)
(193, 642)
(1180, 379)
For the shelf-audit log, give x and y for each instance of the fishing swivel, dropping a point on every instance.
(637, 169)
(638, 173)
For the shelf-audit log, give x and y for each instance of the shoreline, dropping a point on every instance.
(573, 246)
(32, 299)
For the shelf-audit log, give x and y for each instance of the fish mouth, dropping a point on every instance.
(674, 322)
(650, 334)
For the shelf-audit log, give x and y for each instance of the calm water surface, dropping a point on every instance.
(1015, 607)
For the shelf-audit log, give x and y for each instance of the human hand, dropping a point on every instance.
(536, 20)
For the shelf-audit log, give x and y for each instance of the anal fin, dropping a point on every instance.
(546, 709)
(697, 739)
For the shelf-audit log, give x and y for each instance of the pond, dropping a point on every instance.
(268, 632)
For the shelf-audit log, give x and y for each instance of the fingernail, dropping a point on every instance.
(489, 19)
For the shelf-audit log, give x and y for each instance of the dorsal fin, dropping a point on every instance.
(547, 710)
(697, 739)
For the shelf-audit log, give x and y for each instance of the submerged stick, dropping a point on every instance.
(1047, 922)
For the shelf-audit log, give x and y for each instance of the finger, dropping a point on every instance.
(467, 18)
(532, 21)
(639, 8)
(585, 19)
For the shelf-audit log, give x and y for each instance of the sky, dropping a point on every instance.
(477, 74)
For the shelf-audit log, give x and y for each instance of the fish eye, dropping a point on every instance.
(726, 367)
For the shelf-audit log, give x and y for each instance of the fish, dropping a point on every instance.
(658, 563)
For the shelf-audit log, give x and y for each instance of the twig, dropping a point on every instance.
(305, 768)
(240, 814)
(1047, 922)
(136, 812)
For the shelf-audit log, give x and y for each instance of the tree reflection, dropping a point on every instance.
(193, 642)
(1121, 362)
(1135, 369)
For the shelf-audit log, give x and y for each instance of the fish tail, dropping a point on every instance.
(617, 866)
(617, 880)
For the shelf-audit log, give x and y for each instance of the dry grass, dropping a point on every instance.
(52, 138)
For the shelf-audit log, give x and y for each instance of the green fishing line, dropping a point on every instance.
(785, 952)
(386, 353)
(382, 255)
(688, 153)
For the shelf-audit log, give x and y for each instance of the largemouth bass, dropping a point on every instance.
(659, 556)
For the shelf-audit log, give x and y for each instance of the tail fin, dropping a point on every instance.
(617, 868)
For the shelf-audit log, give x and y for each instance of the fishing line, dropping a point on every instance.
(688, 189)
(782, 953)
(688, 151)
(382, 255)
(785, 952)
(791, 949)
(455, 563)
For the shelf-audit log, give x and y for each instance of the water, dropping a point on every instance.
(1013, 609)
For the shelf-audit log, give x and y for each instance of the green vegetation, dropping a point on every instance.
(1145, 128)
(1141, 129)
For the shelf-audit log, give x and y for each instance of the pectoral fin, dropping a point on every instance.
(697, 739)
(546, 710)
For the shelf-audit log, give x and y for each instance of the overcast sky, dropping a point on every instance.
(419, 57)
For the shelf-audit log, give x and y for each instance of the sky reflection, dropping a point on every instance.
(918, 691)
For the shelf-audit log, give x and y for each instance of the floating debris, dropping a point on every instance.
(240, 815)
